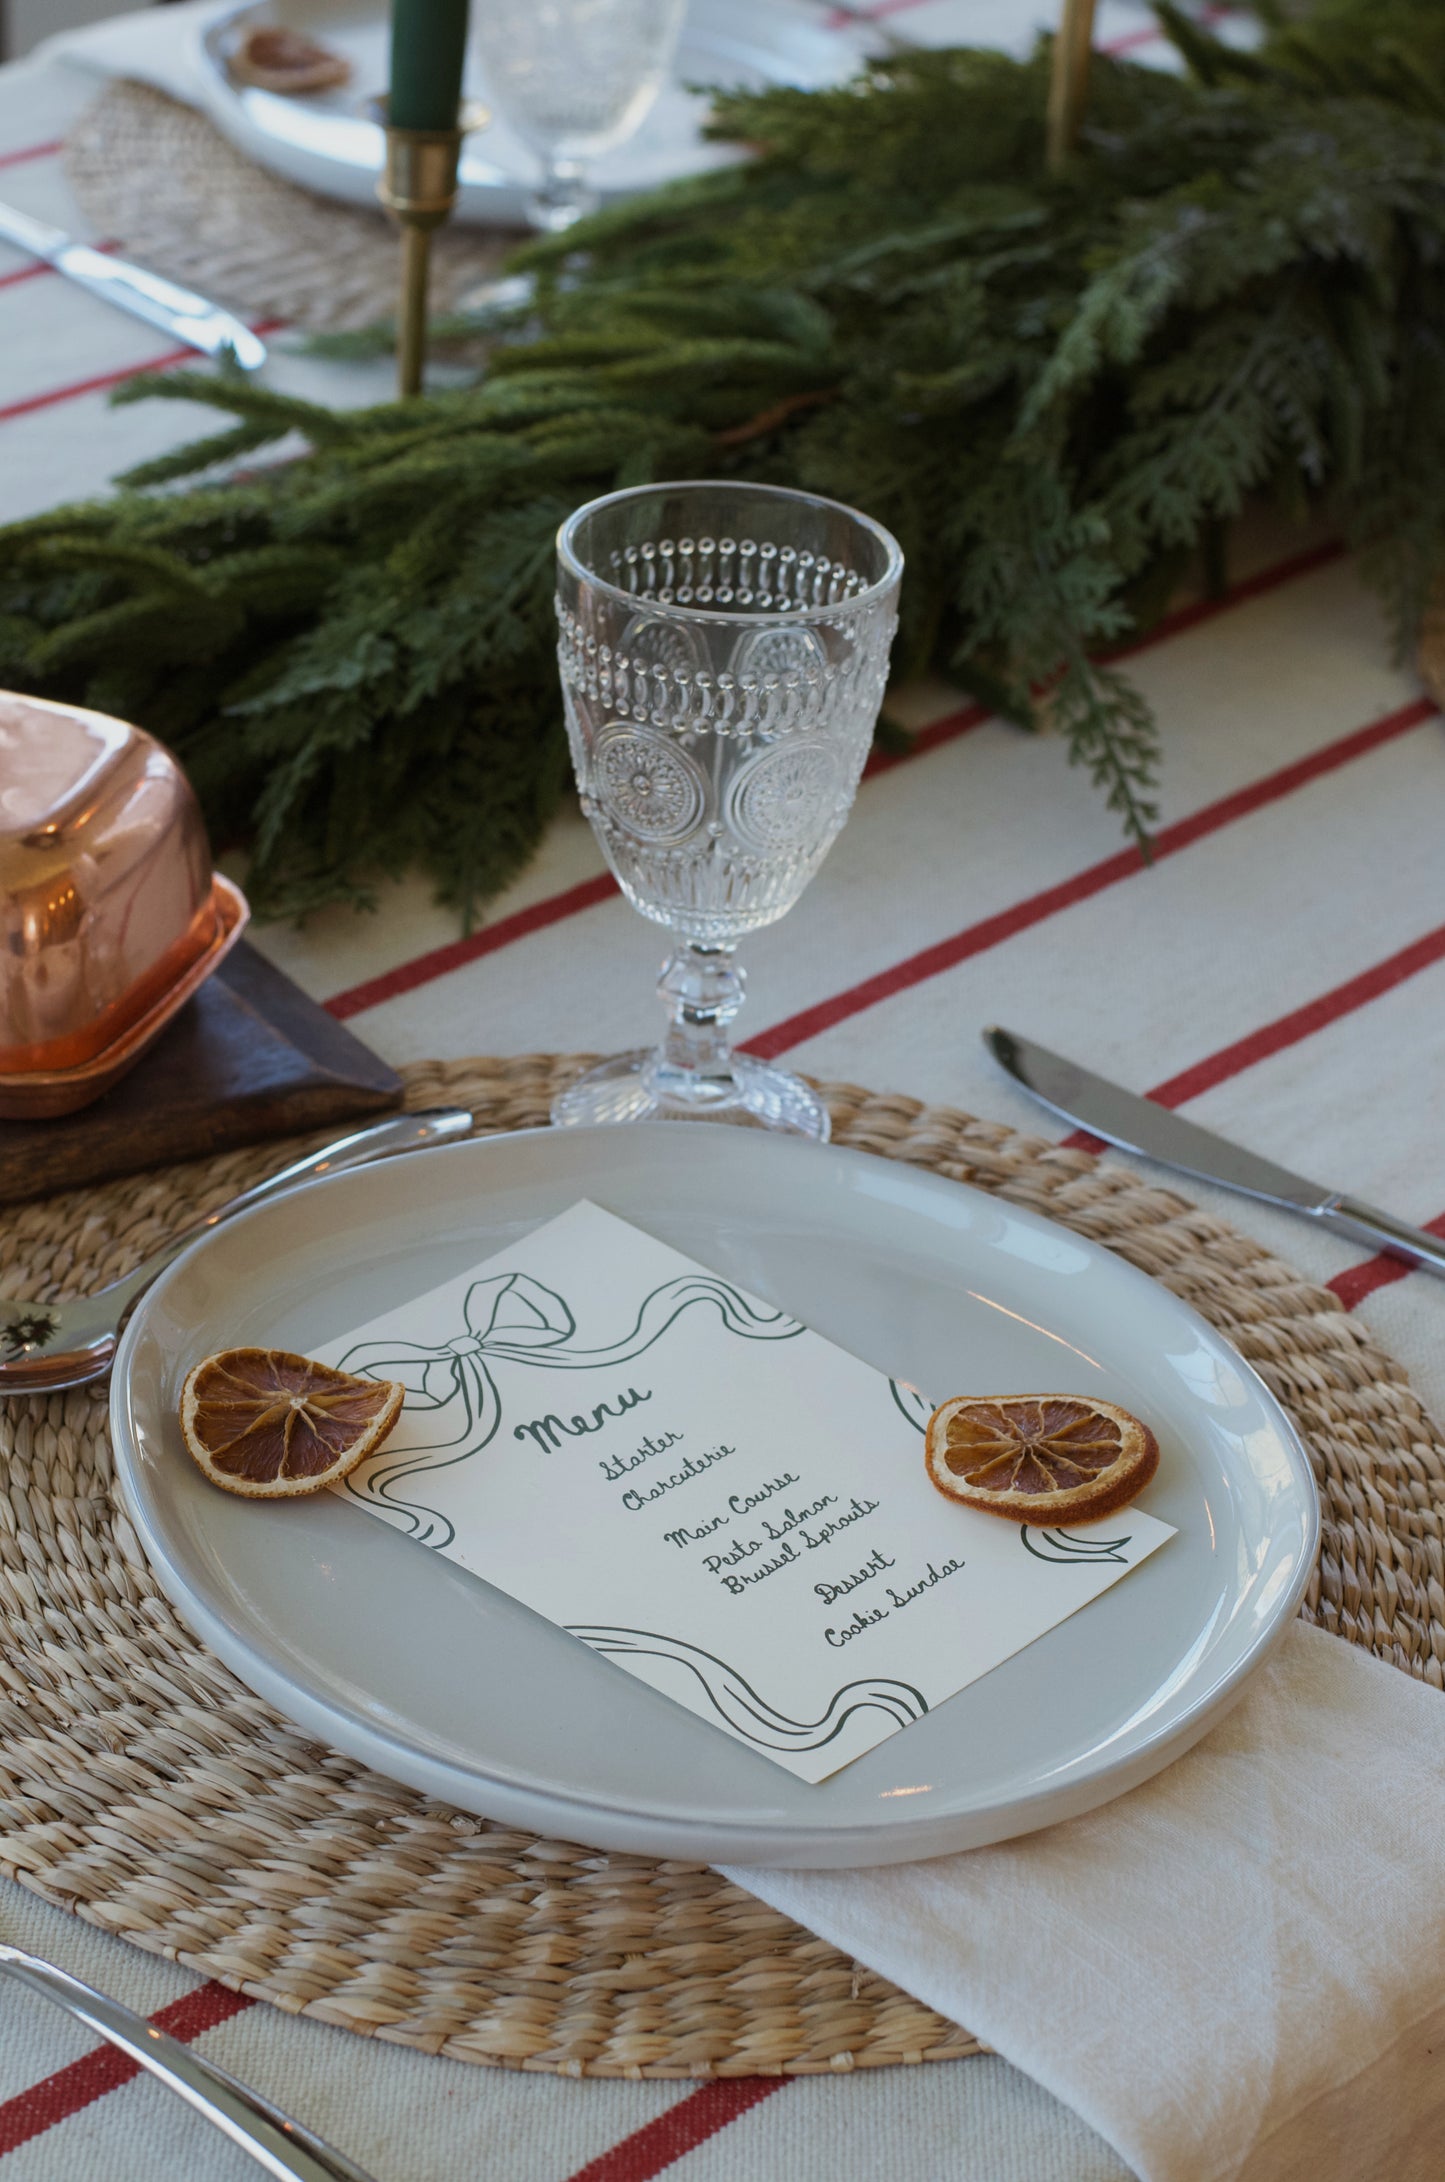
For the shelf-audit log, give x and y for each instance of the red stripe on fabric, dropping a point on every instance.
(1358, 1281)
(1257, 586)
(975, 939)
(407, 976)
(106, 379)
(1286, 1030)
(680, 2130)
(853, 18)
(98, 385)
(49, 150)
(948, 729)
(30, 2113)
(1178, 623)
(857, 18)
(26, 272)
(1132, 39)
(458, 952)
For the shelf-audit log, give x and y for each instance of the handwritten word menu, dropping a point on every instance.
(706, 1492)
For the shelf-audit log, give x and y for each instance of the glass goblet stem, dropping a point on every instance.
(723, 648)
(562, 197)
(702, 990)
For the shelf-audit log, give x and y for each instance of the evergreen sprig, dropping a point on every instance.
(1055, 389)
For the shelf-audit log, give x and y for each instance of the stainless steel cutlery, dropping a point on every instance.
(280, 2145)
(1136, 1124)
(189, 318)
(48, 1345)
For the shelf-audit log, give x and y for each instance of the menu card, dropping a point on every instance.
(691, 1482)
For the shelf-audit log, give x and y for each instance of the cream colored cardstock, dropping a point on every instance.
(703, 1490)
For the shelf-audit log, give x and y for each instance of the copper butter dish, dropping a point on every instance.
(110, 914)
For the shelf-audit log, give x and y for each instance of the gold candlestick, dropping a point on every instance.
(418, 187)
(1069, 81)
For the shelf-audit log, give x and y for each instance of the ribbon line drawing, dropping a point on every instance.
(511, 1319)
(735, 1700)
(1068, 1547)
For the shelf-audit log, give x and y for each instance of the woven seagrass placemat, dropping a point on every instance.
(160, 181)
(144, 1788)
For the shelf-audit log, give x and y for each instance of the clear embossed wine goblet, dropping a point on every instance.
(723, 652)
(574, 78)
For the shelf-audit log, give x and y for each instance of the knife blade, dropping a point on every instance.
(187, 317)
(1136, 1124)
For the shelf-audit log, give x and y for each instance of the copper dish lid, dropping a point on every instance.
(109, 912)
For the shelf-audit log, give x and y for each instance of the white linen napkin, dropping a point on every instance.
(1237, 1972)
(156, 46)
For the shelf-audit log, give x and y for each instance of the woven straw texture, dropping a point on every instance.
(142, 1787)
(162, 183)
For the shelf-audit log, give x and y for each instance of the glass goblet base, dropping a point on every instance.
(640, 1086)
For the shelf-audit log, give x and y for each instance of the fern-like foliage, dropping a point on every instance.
(1055, 389)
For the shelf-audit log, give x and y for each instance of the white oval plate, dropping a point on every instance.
(330, 141)
(385, 1650)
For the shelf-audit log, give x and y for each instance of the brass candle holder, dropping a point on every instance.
(1069, 80)
(418, 187)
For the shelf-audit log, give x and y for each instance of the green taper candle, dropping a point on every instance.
(428, 43)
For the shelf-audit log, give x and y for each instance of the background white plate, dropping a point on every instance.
(329, 142)
(400, 1658)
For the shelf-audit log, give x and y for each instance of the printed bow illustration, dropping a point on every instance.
(511, 1319)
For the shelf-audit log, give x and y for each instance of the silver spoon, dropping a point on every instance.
(281, 2145)
(44, 1346)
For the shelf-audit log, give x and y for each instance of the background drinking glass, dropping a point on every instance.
(723, 651)
(574, 78)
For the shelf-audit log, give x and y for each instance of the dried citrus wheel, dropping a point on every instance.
(1039, 1458)
(273, 1425)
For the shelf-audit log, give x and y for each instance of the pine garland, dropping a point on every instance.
(1056, 390)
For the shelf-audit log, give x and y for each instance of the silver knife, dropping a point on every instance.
(177, 311)
(1136, 1124)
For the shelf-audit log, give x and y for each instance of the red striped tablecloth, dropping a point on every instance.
(1279, 973)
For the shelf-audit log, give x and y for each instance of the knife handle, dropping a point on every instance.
(116, 276)
(1382, 1231)
(180, 312)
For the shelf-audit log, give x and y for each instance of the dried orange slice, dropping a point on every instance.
(273, 1425)
(287, 61)
(1039, 1458)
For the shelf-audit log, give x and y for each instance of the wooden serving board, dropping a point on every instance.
(250, 1057)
